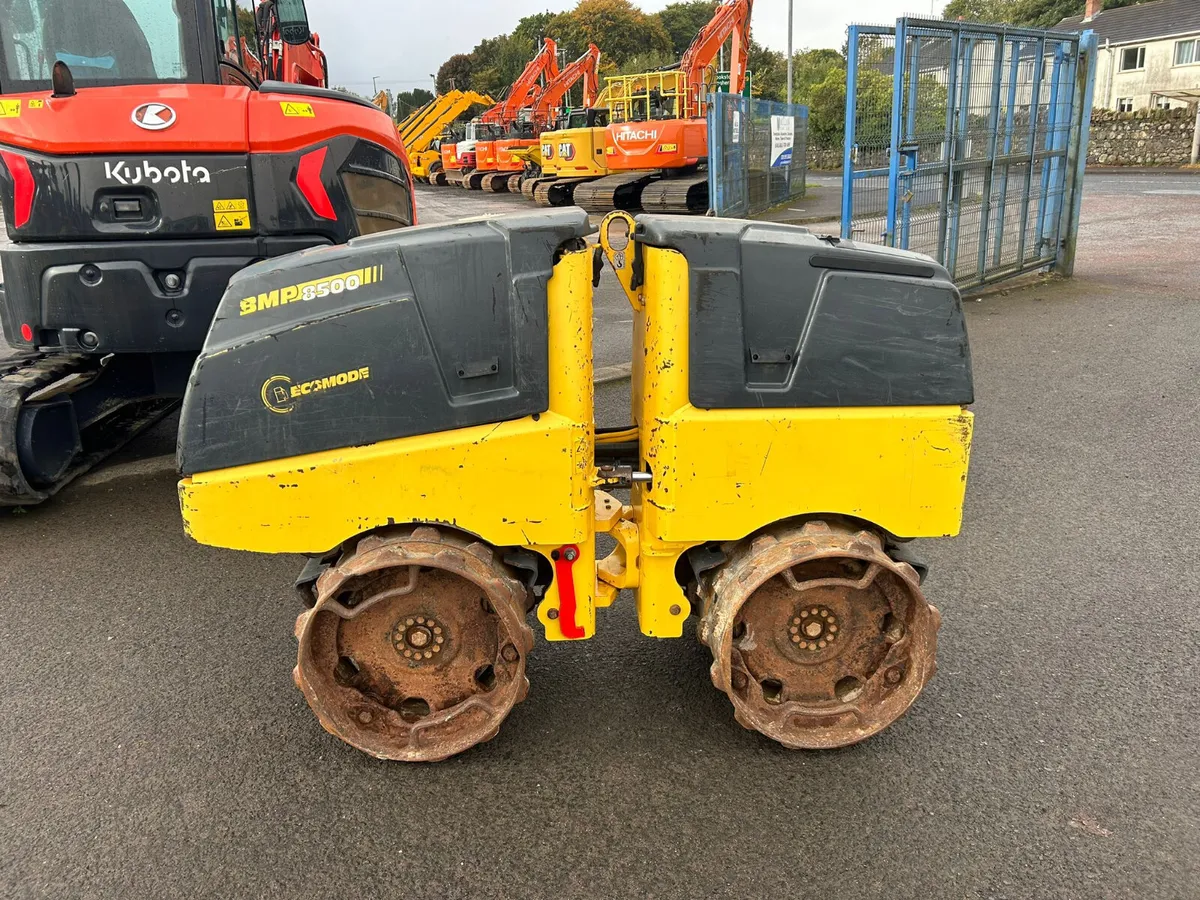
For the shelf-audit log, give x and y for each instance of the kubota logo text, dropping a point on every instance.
(637, 134)
(183, 172)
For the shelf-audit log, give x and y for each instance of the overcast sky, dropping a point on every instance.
(404, 42)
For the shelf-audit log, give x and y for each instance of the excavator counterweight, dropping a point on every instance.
(179, 177)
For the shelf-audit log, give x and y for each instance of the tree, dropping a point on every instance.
(497, 62)
(247, 29)
(683, 21)
(1031, 13)
(638, 63)
(768, 68)
(981, 10)
(617, 27)
(455, 73)
(812, 67)
(533, 28)
(406, 101)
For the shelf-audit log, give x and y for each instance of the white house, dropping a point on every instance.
(1148, 53)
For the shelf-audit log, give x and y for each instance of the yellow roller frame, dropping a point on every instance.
(526, 482)
(723, 474)
(717, 474)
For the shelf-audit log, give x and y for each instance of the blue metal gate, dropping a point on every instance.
(967, 142)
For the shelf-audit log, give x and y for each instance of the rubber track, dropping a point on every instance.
(24, 375)
(557, 191)
(677, 195)
(613, 192)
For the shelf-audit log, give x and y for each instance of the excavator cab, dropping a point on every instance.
(142, 164)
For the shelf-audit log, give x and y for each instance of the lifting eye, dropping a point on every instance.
(617, 233)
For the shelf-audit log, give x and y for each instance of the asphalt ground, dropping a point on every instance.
(152, 743)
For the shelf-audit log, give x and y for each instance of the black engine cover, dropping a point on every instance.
(409, 332)
(780, 318)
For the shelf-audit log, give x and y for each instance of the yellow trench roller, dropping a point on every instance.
(798, 411)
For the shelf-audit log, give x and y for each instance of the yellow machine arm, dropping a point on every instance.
(407, 121)
(422, 131)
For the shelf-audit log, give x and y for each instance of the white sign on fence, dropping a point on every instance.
(782, 138)
(737, 126)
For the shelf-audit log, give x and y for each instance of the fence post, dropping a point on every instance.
(848, 140)
(985, 210)
(961, 136)
(949, 146)
(1076, 161)
(1009, 121)
(1036, 95)
(889, 234)
(716, 193)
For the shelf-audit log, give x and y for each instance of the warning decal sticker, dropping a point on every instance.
(301, 110)
(226, 206)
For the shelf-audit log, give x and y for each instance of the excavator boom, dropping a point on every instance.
(543, 67)
(427, 127)
(657, 142)
(731, 19)
(545, 108)
(408, 120)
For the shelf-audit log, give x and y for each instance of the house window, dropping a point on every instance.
(1133, 58)
(1185, 52)
(1124, 104)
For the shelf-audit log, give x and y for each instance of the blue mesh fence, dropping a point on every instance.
(756, 153)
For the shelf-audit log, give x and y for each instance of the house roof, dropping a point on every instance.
(1143, 22)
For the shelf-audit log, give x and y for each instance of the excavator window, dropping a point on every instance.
(102, 41)
(225, 16)
(248, 35)
(293, 21)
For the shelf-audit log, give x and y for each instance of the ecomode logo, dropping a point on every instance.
(279, 393)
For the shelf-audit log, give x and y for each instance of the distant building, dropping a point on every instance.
(1148, 52)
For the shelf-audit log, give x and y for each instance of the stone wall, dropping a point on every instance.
(1147, 137)
(825, 159)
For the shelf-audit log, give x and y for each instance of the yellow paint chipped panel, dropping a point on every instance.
(310, 503)
(723, 474)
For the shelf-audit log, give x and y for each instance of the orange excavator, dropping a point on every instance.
(509, 169)
(289, 53)
(656, 144)
(510, 118)
(146, 157)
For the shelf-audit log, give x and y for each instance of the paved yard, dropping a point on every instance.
(152, 743)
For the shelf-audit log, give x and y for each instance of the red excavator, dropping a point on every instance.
(510, 118)
(658, 127)
(143, 163)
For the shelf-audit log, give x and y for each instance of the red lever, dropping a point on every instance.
(564, 562)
